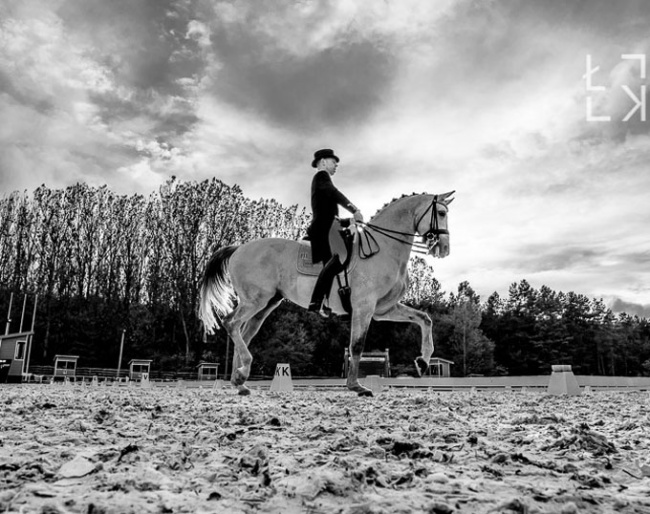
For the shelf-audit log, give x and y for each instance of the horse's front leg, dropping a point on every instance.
(400, 312)
(358, 330)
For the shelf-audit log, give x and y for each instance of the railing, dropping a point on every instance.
(39, 373)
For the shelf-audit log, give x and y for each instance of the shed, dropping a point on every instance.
(14, 354)
(208, 370)
(139, 366)
(65, 365)
(439, 367)
(371, 363)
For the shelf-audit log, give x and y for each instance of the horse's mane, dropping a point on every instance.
(394, 200)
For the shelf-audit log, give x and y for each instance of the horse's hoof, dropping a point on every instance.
(421, 366)
(360, 390)
(244, 391)
(238, 379)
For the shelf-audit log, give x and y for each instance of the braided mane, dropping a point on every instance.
(394, 200)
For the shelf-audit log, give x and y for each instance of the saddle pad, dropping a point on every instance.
(304, 264)
(337, 244)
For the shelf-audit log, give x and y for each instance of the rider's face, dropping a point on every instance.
(331, 165)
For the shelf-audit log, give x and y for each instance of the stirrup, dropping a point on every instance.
(321, 309)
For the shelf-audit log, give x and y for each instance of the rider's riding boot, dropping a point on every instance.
(324, 285)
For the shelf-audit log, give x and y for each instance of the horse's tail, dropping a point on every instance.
(216, 289)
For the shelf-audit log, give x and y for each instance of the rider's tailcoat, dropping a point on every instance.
(325, 199)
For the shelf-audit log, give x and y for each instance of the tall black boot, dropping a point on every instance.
(324, 285)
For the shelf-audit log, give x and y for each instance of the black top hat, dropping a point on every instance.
(323, 154)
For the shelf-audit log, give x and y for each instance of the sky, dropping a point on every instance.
(548, 153)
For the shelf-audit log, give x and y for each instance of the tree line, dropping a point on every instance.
(104, 263)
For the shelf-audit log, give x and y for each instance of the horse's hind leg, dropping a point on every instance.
(242, 358)
(248, 331)
(253, 325)
(242, 326)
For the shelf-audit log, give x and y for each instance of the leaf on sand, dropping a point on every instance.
(76, 468)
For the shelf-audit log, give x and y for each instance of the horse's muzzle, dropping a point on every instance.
(440, 247)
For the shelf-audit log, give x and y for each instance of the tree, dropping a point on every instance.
(475, 350)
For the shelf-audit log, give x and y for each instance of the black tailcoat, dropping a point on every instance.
(325, 199)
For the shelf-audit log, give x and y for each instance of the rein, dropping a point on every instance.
(429, 239)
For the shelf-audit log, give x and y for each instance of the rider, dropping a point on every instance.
(325, 199)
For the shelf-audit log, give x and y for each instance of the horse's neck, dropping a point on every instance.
(398, 215)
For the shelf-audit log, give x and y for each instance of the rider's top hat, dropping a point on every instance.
(323, 154)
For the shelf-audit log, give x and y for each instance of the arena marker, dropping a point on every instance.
(373, 383)
(563, 381)
(282, 379)
(144, 381)
(217, 386)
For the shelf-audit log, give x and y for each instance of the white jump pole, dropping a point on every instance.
(11, 301)
(22, 316)
(119, 362)
(31, 335)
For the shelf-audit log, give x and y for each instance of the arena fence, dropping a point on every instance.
(43, 374)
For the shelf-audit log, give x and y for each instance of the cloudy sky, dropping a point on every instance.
(488, 98)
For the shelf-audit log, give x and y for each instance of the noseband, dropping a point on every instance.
(432, 236)
(430, 239)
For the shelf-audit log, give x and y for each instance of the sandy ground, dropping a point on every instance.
(163, 450)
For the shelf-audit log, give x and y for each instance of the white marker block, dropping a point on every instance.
(373, 382)
(282, 379)
(563, 381)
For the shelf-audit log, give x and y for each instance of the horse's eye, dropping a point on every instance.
(442, 214)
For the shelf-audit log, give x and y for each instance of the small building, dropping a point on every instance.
(139, 366)
(371, 363)
(65, 366)
(439, 367)
(14, 354)
(208, 370)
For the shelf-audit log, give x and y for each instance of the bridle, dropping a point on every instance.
(430, 239)
(432, 236)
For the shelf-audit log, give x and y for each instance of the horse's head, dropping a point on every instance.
(431, 224)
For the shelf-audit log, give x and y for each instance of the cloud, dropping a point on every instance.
(634, 309)
(340, 85)
(83, 82)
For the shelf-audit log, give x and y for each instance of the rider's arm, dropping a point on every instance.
(325, 184)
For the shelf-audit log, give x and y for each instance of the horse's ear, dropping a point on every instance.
(447, 202)
(443, 197)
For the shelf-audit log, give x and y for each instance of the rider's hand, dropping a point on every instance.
(358, 217)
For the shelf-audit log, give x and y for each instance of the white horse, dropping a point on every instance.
(263, 272)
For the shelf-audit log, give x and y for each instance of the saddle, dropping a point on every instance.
(344, 241)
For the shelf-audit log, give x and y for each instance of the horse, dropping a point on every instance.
(262, 273)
